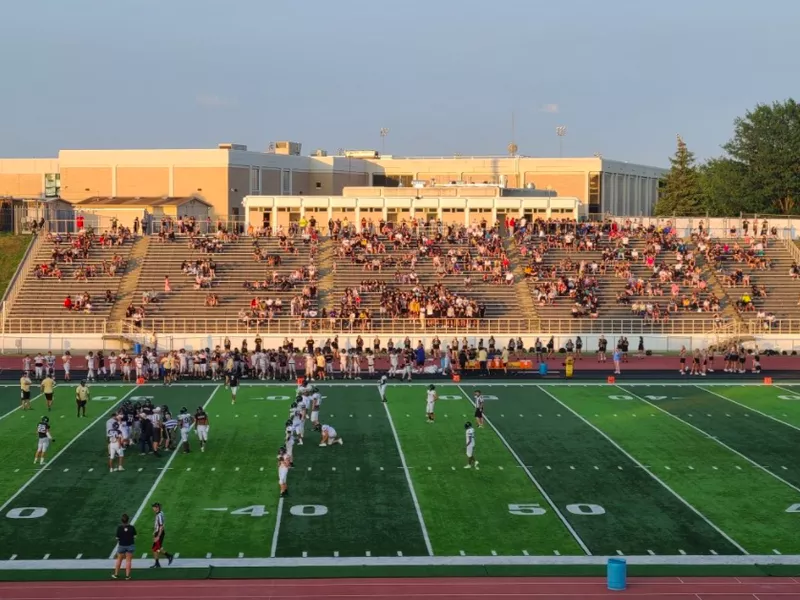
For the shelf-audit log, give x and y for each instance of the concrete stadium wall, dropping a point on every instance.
(15, 344)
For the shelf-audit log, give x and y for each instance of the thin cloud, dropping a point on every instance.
(549, 108)
(214, 101)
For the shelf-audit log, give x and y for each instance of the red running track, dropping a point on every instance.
(671, 588)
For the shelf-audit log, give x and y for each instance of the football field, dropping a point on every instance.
(566, 470)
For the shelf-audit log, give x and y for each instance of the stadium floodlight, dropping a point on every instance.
(561, 131)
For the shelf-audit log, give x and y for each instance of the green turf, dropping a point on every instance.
(12, 249)
(762, 440)
(782, 404)
(361, 484)
(236, 472)
(366, 494)
(18, 434)
(467, 510)
(10, 400)
(742, 500)
(580, 468)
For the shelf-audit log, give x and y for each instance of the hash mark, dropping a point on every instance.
(453, 468)
(667, 468)
(208, 555)
(79, 556)
(558, 415)
(713, 552)
(236, 469)
(358, 468)
(46, 556)
(91, 469)
(572, 468)
(213, 468)
(369, 553)
(501, 468)
(775, 551)
(596, 468)
(333, 468)
(556, 552)
(784, 468)
(462, 553)
(691, 468)
(241, 554)
(619, 552)
(520, 415)
(370, 416)
(399, 553)
(548, 468)
(615, 414)
(309, 468)
(140, 469)
(381, 468)
(429, 469)
(715, 468)
(177, 555)
(305, 554)
(67, 469)
(683, 552)
(738, 467)
(494, 552)
(16, 470)
(651, 553)
(525, 553)
(237, 416)
(188, 468)
(261, 469)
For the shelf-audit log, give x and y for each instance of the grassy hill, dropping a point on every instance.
(12, 249)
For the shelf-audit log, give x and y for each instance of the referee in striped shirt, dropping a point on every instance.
(158, 538)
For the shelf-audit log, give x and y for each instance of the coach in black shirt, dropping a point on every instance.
(126, 538)
(145, 435)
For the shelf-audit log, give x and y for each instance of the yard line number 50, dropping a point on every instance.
(536, 510)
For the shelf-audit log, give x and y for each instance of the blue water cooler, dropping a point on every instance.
(542, 369)
(617, 574)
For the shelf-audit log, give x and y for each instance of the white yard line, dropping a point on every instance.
(410, 483)
(755, 410)
(160, 477)
(18, 407)
(276, 533)
(533, 479)
(65, 448)
(720, 442)
(653, 475)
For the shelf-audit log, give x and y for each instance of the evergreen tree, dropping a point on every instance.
(680, 191)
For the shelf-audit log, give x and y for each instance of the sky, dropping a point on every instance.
(443, 76)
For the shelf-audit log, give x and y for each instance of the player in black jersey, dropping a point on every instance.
(233, 384)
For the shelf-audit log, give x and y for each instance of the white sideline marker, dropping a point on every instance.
(335, 553)
(305, 554)
(79, 556)
(208, 555)
(775, 551)
(399, 553)
(241, 554)
(45, 557)
(525, 553)
(619, 552)
(681, 552)
(462, 553)
(713, 552)
(91, 469)
(494, 552)
(140, 469)
(651, 553)
(368, 553)
(556, 552)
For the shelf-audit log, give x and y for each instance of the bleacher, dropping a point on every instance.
(499, 299)
(770, 270)
(608, 298)
(235, 266)
(39, 305)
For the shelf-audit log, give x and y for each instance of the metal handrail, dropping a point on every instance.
(291, 326)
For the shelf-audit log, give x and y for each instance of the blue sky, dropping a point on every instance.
(624, 76)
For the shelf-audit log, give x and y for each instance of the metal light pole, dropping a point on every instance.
(561, 131)
(384, 132)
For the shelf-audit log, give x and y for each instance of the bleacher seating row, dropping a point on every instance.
(546, 278)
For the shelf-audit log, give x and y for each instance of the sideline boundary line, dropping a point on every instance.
(36, 475)
(375, 561)
(414, 499)
(163, 472)
(533, 479)
(714, 439)
(649, 472)
(755, 410)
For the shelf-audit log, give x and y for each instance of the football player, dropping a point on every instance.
(44, 440)
(431, 399)
(330, 437)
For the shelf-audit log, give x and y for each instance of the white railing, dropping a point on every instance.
(792, 248)
(23, 268)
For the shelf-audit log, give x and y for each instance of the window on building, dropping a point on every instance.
(594, 189)
(255, 180)
(383, 180)
(286, 182)
(318, 185)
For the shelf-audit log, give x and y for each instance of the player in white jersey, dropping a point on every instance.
(297, 415)
(90, 367)
(382, 385)
(50, 364)
(26, 363)
(113, 361)
(470, 441)
(430, 403)
(394, 359)
(67, 360)
(115, 449)
(284, 462)
(370, 363)
(139, 364)
(185, 422)
(44, 440)
(478, 402)
(38, 364)
(330, 437)
(355, 362)
(292, 366)
(288, 440)
(315, 403)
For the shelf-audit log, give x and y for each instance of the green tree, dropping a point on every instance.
(724, 192)
(680, 190)
(766, 149)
